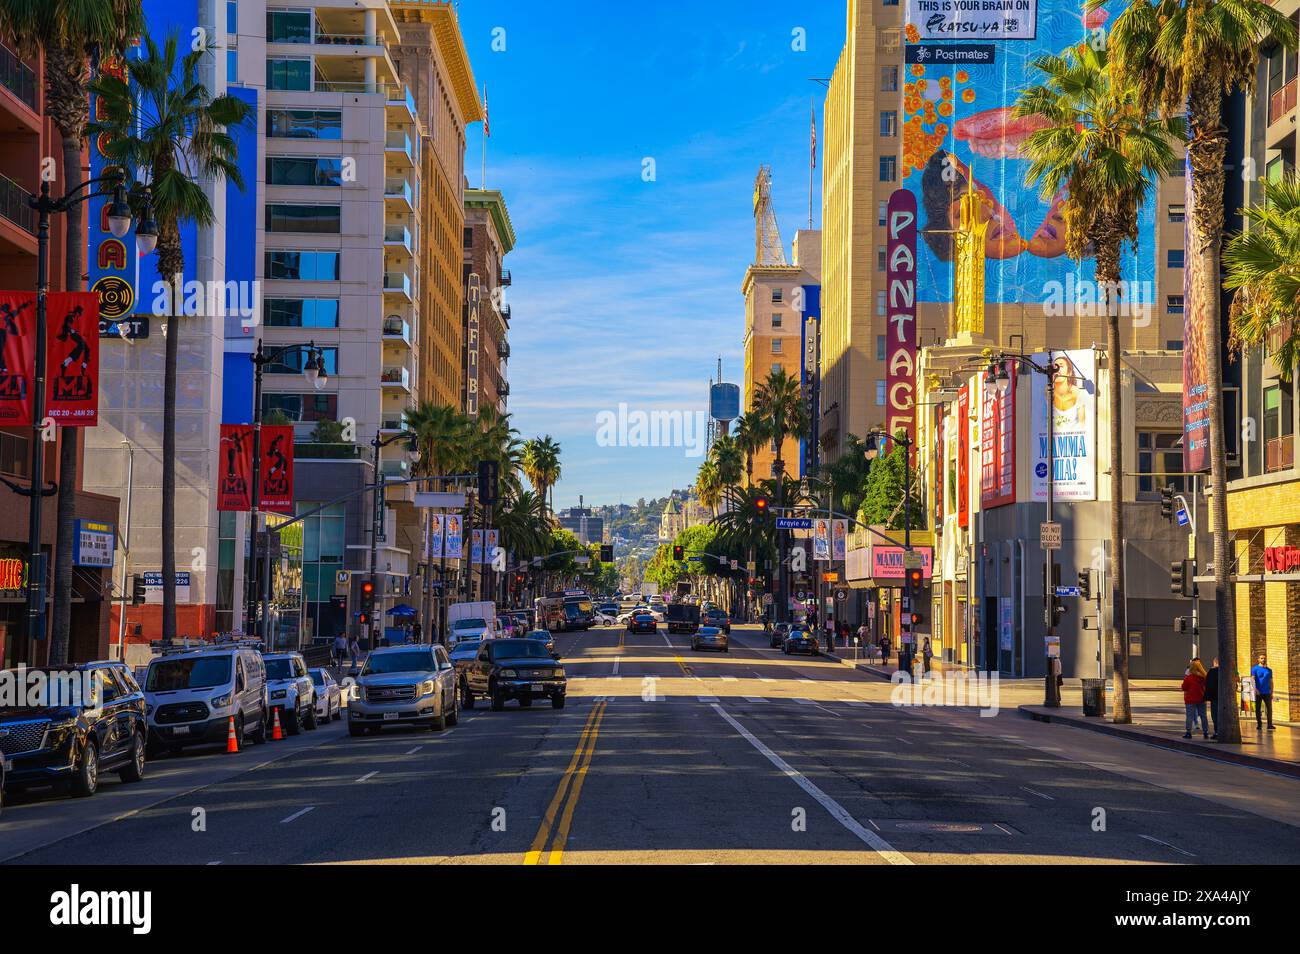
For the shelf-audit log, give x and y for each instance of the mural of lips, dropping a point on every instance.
(997, 133)
(1049, 240)
(1095, 18)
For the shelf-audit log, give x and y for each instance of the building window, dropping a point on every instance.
(888, 168)
(288, 26)
(1177, 213)
(889, 123)
(889, 79)
(302, 266)
(232, 66)
(467, 237)
(882, 213)
(777, 296)
(880, 393)
(301, 312)
(1174, 304)
(880, 302)
(304, 124)
(880, 258)
(1175, 259)
(302, 407)
(777, 367)
(288, 75)
(889, 3)
(15, 454)
(304, 170)
(776, 345)
(1174, 344)
(292, 362)
(284, 217)
(1279, 428)
(882, 343)
(776, 320)
(1160, 463)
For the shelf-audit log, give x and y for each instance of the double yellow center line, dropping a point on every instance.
(559, 814)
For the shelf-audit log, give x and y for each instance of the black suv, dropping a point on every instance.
(520, 669)
(77, 735)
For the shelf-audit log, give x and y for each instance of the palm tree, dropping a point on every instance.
(1263, 265)
(69, 33)
(749, 437)
(1105, 150)
(708, 486)
(1190, 54)
(729, 460)
(779, 404)
(442, 434)
(540, 460)
(162, 122)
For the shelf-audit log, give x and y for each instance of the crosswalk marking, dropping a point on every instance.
(708, 698)
(755, 699)
(805, 702)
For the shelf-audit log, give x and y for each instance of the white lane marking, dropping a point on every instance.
(766, 679)
(1167, 845)
(805, 680)
(296, 815)
(413, 750)
(834, 808)
(211, 863)
(755, 699)
(708, 698)
(728, 678)
(617, 660)
(805, 702)
(1049, 798)
(368, 775)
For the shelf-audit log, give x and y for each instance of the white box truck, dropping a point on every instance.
(471, 621)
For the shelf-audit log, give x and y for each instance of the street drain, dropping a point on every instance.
(945, 827)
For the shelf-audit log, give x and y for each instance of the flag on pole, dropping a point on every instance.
(487, 130)
(813, 110)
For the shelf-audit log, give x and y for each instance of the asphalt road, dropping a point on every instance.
(668, 756)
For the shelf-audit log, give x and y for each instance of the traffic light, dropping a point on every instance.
(137, 590)
(761, 503)
(1167, 501)
(678, 553)
(917, 616)
(1182, 578)
(606, 553)
(488, 474)
(1085, 584)
(367, 597)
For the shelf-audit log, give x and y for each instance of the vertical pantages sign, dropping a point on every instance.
(1196, 397)
(900, 350)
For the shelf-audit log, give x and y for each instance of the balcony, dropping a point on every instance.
(393, 423)
(398, 144)
(17, 77)
(398, 236)
(505, 278)
(397, 330)
(504, 312)
(398, 283)
(323, 85)
(398, 191)
(1282, 102)
(1279, 454)
(402, 102)
(503, 348)
(395, 377)
(395, 469)
(14, 207)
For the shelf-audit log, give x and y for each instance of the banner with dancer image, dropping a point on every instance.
(71, 358)
(235, 468)
(277, 468)
(453, 544)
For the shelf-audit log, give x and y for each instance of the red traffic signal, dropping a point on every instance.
(367, 588)
(761, 504)
(678, 553)
(914, 578)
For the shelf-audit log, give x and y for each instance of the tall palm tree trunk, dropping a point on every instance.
(1108, 276)
(1207, 149)
(171, 264)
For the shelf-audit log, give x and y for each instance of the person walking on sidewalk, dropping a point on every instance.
(927, 654)
(1212, 694)
(340, 649)
(354, 650)
(1263, 677)
(1194, 699)
(884, 648)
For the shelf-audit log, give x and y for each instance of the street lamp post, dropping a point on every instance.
(119, 223)
(314, 371)
(126, 551)
(377, 517)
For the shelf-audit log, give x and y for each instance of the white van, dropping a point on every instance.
(472, 621)
(191, 695)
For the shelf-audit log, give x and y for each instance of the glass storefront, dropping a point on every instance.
(322, 559)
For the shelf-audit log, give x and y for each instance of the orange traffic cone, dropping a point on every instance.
(232, 743)
(276, 734)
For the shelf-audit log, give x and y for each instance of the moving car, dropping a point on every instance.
(642, 622)
(73, 737)
(329, 697)
(405, 685)
(717, 617)
(192, 694)
(710, 637)
(779, 632)
(519, 669)
(290, 691)
(800, 641)
(544, 637)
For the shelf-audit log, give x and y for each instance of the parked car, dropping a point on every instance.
(800, 641)
(405, 685)
(779, 632)
(642, 623)
(70, 741)
(602, 618)
(717, 617)
(290, 690)
(329, 697)
(710, 637)
(192, 694)
(518, 669)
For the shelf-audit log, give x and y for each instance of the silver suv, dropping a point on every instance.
(290, 690)
(404, 685)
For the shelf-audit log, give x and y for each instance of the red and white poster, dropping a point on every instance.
(963, 457)
(72, 358)
(17, 349)
(235, 468)
(998, 445)
(900, 348)
(277, 468)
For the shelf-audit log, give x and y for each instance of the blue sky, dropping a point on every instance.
(626, 290)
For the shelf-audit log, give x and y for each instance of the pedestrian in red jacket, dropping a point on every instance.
(1194, 699)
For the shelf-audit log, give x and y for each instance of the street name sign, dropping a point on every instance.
(794, 523)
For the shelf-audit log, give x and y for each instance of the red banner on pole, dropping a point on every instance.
(277, 468)
(17, 357)
(72, 358)
(235, 468)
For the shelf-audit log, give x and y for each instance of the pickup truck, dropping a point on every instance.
(682, 617)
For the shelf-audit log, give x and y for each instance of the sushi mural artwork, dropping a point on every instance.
(966, 63)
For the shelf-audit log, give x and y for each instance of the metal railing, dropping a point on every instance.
(14, 207)
(17, 77)
(1282, 102)
(1279, 453)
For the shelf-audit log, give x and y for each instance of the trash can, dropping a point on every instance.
(1094, 697)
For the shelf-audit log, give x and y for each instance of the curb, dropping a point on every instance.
(1200, 750)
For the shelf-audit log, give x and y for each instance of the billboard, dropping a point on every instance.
(1196, 396)
(998, 445)
(1073, 428)
(966, 63)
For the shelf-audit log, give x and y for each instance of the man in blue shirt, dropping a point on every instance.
(1263, 677)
